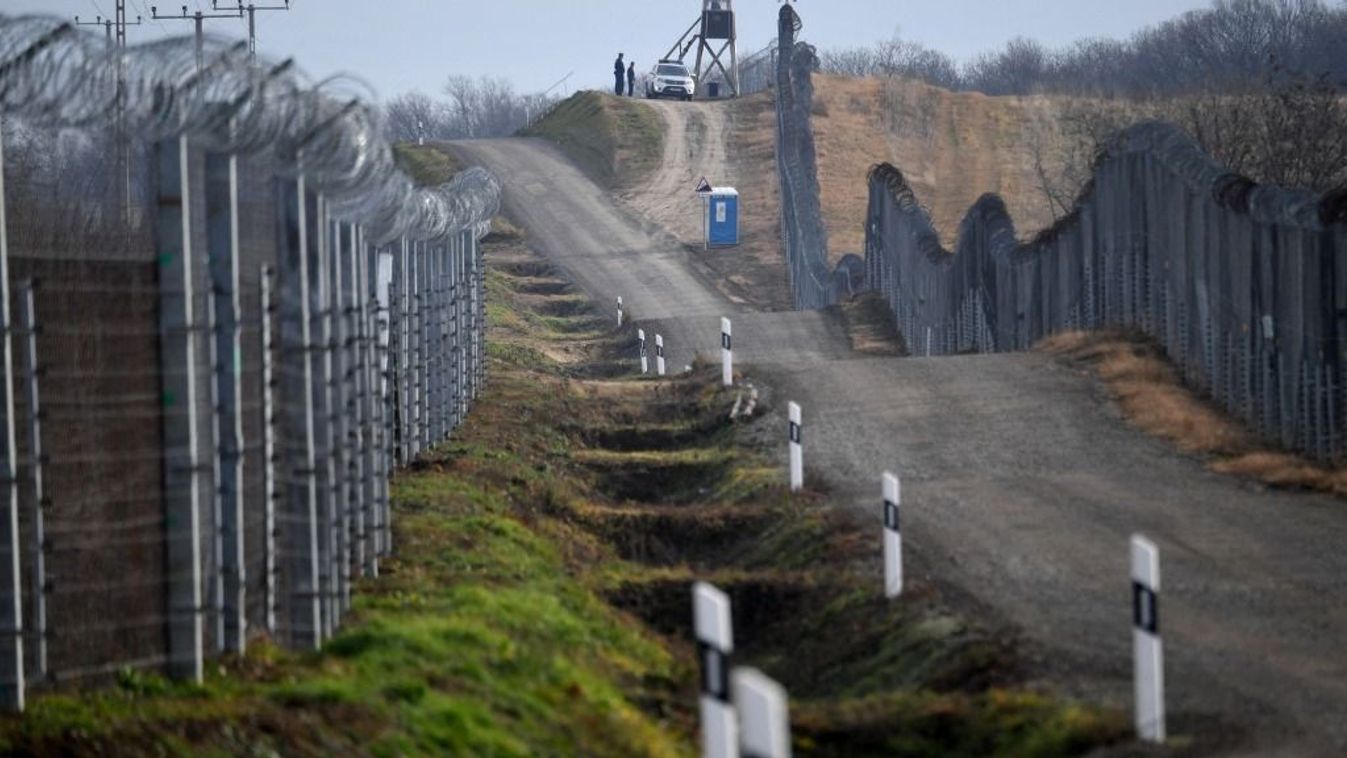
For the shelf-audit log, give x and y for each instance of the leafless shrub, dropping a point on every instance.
(1291, 132)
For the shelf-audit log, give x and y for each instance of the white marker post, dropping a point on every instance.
(659, 354)
(726, 353)
(764, 715)
(1148, 650)
(893, 539)
(715, 642)
(619, 313)
(645, 361)
(796, 432)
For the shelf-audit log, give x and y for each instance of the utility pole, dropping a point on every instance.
(116, 31)
(251, 10)
(199, 19)
(117, 24)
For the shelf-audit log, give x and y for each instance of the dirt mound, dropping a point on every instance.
(613, 140)
(953, 147)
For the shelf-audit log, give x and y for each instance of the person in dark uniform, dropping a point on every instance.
(619, 74)
(631, 80)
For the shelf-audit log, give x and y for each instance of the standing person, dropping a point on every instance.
(631, 80)
(619, 74)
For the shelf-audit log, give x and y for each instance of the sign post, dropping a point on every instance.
(659, 354)
(714, 631)
(893, 540)
(726, 353)
(640, 341)
(1148, 650)
(796, 449)
(764, 718)
(619, 312)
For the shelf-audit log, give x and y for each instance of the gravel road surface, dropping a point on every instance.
(1021, 487)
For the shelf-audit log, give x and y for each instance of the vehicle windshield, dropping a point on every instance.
(668, 70)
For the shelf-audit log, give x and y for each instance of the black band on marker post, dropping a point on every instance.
(795, 434)
(890, 516)
(1145, 609)
(725, 341)
(715, 670)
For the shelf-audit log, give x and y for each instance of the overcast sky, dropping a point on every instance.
(398, 45)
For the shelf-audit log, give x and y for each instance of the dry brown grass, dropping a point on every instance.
(1150, 394)
(952, 147)
(870, 325)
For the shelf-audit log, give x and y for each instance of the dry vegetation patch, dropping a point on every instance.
(1151, 395)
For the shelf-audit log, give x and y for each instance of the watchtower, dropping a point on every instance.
(714, 35)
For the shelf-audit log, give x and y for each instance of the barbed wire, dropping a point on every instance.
(54, 75)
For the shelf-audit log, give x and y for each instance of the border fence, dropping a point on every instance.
(803, 234)
(205, 400)
(757, 72)
(1244, 285)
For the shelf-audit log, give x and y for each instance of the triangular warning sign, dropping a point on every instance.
(703, 187)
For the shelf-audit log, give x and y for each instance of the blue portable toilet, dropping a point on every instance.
(722, 217)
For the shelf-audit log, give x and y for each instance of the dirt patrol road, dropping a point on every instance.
(1021, 487)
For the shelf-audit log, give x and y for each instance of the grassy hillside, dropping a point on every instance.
(616, 141)
(427, 165)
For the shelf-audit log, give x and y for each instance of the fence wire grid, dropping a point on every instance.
(214, 363)
(1242, 284)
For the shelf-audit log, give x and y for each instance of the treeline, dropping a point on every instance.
(470, 108)
(1259, 83)
(1230, 47)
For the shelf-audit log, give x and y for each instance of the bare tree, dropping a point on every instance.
(415, 114)
(1021, 68)
(484, 107)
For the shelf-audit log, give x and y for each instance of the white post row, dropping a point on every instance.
(640, 341)
(1147, 649)
(619, 312)
(764, 715)
(796, 432)
(893, 539)
(714, 631)
(726, 353)
(659, 354)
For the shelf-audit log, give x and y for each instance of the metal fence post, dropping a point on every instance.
(455, 339)
(32, 374)
(270, 460)
(11, 613)
(437, 365)
(222, 234)
(357, 373)
(425, 303)
(406, 290)
(413, 354)
(304, 614)
(178, 366)
(339, 419)
(322, 356)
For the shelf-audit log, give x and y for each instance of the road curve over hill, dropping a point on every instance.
(1021, 488)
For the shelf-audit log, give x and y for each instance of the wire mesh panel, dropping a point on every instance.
(212, 329)
(1239, 282)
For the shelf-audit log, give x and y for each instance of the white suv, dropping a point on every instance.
(670, 79)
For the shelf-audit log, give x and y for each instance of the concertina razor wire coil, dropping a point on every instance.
(226, 101)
